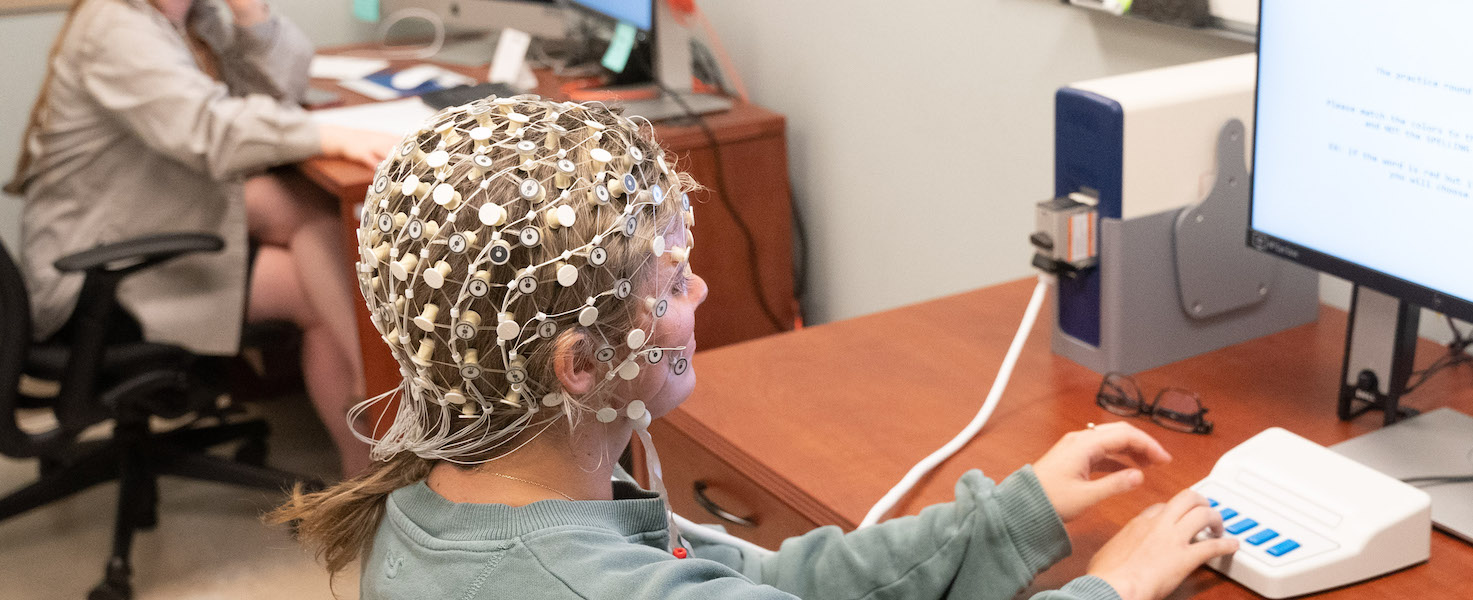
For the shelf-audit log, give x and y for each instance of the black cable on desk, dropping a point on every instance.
(1456, 355)
(800, 264)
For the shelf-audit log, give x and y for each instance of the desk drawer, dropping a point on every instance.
(688, 465)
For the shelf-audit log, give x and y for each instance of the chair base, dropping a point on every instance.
(136, 457)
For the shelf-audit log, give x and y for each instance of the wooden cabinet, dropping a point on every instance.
(691, 470)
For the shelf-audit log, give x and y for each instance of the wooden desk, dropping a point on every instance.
(753, 147)
(813, 426)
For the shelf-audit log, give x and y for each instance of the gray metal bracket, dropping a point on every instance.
(1216, 271)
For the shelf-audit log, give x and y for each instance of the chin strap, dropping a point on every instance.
(657, 483)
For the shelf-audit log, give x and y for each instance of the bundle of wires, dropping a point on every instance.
(1457, 354)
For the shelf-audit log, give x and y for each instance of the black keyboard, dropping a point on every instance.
(465, 94)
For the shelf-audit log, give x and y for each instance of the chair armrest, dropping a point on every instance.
(138, 253)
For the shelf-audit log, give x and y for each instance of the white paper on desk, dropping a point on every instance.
(510, 56)
(398, 117)
(345, 67)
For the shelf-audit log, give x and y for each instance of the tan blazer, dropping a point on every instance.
(138, 141)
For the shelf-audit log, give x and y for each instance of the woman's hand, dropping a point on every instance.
(366, 147)
(1064, 471)
(248, 12)
(1154, 552)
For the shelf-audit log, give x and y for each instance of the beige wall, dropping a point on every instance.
(920, 138)
(24, 41)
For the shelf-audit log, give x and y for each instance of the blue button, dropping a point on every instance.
(1283, 548)
(1241, 526)
(1211, 503)
(1259, 538)
(1228, 513)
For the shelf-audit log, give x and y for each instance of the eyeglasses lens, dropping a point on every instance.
(1177, 409)
(1119, 395)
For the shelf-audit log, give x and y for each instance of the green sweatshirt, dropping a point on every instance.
(989, 543)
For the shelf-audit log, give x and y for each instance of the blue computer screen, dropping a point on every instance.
(636, 12)
(1363, 133)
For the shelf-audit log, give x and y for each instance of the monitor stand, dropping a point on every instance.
(1380, 343)
(1433, 444)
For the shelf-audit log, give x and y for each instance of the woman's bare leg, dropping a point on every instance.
(286, 210)
(301, 275)
(276, 295)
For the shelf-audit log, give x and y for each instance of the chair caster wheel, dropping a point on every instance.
(114, 584)
(110, 591)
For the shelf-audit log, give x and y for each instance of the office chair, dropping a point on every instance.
(126, 382)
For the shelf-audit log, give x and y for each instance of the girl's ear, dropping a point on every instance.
(573, 363)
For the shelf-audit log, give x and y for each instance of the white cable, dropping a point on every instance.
(433, 48)
(1035, 304)
(709, 534)
(891, 498)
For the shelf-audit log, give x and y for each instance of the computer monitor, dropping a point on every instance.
(670, 50)
(639, 13)
(666, 41)
(1361, 161)
(1361, 157)
(1362, 169)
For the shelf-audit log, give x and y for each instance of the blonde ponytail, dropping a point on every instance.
(339, 522)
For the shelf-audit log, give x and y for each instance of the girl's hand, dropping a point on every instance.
(368, 148)
(1154, 552)
(1065, 470)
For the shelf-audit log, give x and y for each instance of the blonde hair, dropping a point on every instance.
(472, 386)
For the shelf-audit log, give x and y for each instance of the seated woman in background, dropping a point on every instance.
(161, 116)
(527, 263)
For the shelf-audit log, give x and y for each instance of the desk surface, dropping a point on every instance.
(892, 387)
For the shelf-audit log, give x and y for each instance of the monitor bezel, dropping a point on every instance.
(1378, 280)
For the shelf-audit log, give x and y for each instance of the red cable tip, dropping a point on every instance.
(679, 552)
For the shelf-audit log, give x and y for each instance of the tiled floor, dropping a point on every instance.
(210, 542)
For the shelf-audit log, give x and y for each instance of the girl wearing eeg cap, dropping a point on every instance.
(526, 261)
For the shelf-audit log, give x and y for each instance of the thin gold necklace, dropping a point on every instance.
(570, 498)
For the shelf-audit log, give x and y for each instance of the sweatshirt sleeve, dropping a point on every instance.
(1087, 587)
(272, 57)
(147, 80)
(989, 543)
